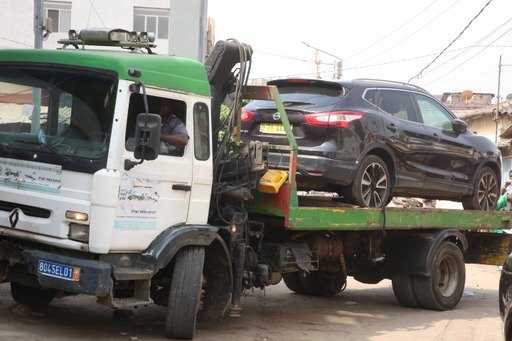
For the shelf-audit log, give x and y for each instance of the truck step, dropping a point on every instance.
(133, 273)
(118, 303)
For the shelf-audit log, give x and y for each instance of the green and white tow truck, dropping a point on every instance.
(92, 203)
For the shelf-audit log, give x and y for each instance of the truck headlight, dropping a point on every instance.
(79, 232)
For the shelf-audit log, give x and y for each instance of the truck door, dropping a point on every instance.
(157, 192)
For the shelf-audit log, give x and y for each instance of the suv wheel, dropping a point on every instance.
(372, 185)
(487, 191)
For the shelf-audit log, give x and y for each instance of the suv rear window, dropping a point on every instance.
(309, 96)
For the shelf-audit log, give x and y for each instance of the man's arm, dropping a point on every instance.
(175, 133)
(178, 140)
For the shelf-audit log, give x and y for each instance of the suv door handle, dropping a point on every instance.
(391, 127)
(180, 187)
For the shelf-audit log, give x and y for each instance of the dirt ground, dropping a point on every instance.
(361, 312)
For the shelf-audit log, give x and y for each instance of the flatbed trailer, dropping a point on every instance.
(315, 242)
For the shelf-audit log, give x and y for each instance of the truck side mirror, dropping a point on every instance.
(147, 136)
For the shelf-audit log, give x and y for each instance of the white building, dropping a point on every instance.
(17, 19)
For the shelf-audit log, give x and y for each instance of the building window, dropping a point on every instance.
(154, 20)
(60, 13)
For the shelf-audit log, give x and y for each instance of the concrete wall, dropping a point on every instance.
(16, 20)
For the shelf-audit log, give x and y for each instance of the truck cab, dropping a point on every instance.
(82, 209)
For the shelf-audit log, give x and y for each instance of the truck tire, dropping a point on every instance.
(323, 283)
(34, 297)
(293, 282)
(443, 288)
(404, 290)
(185, 293)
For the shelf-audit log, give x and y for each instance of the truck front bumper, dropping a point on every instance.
(90, 277)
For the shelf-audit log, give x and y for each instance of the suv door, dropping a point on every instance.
(405, 135)
(450, 163)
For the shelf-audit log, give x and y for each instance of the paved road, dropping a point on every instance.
(362, 312)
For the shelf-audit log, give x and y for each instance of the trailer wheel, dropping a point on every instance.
(323, 283)
(443, 288)
(185, 293)
(293, 282)
(404, 290)
(34, 297)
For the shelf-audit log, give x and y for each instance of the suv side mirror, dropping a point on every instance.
(147, 136)
(459, 126)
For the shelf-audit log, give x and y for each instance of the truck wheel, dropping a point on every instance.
(323, 283)
(34, 297)
(486, 192)
(185, 293)
(372, 184)
(404, 290)
(443, 288)
(293, 282)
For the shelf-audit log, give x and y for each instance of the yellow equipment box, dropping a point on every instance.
(272, 180)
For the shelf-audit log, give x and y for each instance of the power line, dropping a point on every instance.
(453, 41)
(392, 32)
(95, 11)
(476, 44)
(473, 56)
(444, 11)
(17, 42)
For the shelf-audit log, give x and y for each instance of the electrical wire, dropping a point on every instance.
(392, 32)
(95, 11)
(467, 60)
(17, 42)
(453, 41)
(444, 11)
(476, 44)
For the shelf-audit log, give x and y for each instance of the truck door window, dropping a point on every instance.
(169, 109)
(201, 132)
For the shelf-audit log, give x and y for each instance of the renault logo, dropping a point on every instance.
(13, 217)
(276, 116)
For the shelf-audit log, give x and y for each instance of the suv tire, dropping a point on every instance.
(486, 192)
(372, 184)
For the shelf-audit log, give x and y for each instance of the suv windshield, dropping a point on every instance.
(56, 116)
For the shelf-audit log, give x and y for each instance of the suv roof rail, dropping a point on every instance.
(388, 81)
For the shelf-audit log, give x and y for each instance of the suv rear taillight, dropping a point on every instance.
(338, 119)
(246, 115)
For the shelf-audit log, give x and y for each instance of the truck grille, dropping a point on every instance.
(27, 210)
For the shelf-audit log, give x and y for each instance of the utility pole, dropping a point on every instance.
(317, 62)
(338, 66)
(38, 44)
(497, 116)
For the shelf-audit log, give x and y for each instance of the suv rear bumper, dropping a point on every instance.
(313, 167)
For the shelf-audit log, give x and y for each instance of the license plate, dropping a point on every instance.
(63, 271)
(272, 128)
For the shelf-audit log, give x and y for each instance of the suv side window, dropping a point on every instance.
(396, 103)
(432, 113)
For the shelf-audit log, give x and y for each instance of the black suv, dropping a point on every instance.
(371, 139)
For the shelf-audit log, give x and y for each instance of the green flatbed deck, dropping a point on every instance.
(331, 215)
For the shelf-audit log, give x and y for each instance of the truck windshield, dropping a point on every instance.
(56, 116)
